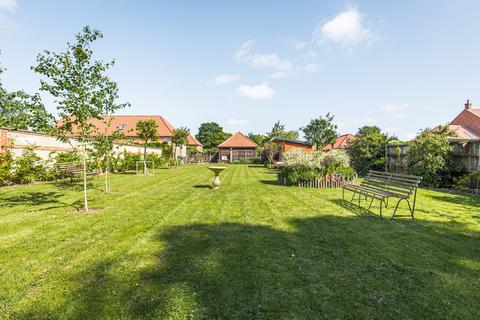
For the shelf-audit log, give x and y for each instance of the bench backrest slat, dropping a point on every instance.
(397, 184)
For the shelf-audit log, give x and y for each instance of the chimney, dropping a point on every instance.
(468, 105)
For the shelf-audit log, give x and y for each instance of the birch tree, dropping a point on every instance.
(80, 88)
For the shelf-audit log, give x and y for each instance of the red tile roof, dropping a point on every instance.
(341, 142)
(238, 140)
(192, 141)
(462, 133)
(469, 119)
(128, 124)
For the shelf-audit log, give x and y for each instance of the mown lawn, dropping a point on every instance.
(166, 246)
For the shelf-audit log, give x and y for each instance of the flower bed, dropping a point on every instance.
(316, 169)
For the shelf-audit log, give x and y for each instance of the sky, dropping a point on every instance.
(400, 65)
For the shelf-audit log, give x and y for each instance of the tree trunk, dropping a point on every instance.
(174, 154)
(84, 150)
(145, 159)
(107, 170)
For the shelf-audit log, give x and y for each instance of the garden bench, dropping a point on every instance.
(71, 170)
(381, 186)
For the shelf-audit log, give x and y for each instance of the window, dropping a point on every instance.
(122, 126)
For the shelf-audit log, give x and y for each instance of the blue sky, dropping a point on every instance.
(402, 65)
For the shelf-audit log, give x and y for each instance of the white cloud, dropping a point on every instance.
(261, 60)
(226, 78)
(258, 92)
(237, 122)
(9, 5)
(312, 67)
(347, 29)
(311, 55)
(278, 75)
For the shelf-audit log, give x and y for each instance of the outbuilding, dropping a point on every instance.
(237, 148)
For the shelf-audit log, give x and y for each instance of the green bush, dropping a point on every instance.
(29, 168)
(66, 157)
(304, 166)
(429, 156)
(461, 183)
(367, 150)
(6, 167)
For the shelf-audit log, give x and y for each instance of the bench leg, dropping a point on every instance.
(410, 208)
(396, 208)
(381, 205)
(353, 196)
(370, 205)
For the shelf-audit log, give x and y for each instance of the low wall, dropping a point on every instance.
(44, 144)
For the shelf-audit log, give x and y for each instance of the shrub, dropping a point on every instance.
(367, 151)
(429, 157)
(461, 183)
(299, 165)
(6, 167)
(334, 159)
(64, 157)
(29, 167)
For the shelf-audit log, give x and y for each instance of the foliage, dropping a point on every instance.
(429, 157)
(461, 183)
(29, 167)
(367, 150)
(334, 159)
(147, 131)
(103, 144)
(321, 131)
(211, 134)
(279, 131)
(180, 136)
(66, 157)
(19, 110)
(81, 89)
(127, 161)
(270, 150)
(259, 139)
(300, 165)
(6, 166)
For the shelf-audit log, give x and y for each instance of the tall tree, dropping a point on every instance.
(147, 131)
(80, 87)
(210, 134)
(321, 131)
(179, 139)
(259, 139)
(19, 110)
(367, 150)
(279, 131)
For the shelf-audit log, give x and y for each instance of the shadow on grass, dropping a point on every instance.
(272, 183)
(464, 200)
(34, 199)
(202, 186)
(326, 267)
(355, 208)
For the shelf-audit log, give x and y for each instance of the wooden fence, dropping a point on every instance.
(329, 181)
(465, 154)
